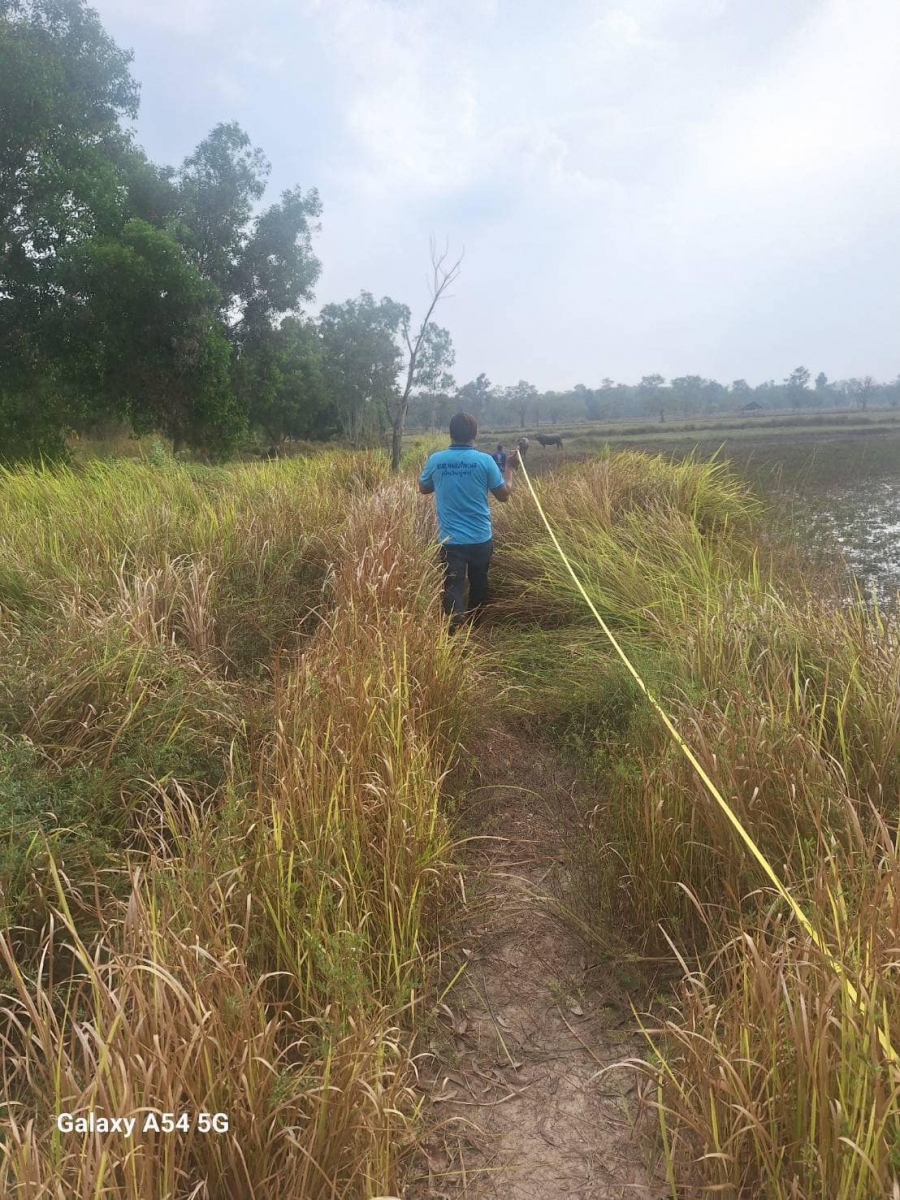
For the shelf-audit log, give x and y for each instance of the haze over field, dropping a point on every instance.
(708, 185)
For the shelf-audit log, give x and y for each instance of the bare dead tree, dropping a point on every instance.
(441, 277)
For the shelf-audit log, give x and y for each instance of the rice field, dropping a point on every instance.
(234, 735)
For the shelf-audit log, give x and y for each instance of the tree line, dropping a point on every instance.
(654, 398)
(171, 300)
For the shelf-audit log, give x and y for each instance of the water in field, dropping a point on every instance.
(861, 521)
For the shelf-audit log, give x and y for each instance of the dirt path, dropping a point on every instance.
(515, 1074)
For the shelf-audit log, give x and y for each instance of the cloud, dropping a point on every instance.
(809, 152)
(434, 106)
(182, 17)
(682, 185)
(621, 27)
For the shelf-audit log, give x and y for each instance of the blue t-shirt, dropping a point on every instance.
(462, 477)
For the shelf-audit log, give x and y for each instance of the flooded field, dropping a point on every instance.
(860, 521)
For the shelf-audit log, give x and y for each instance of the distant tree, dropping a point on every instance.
(608, 398)
(443, 410)
(865, 391)
(858, 391)
(431, 410)
(798, 378)
(554, 405)
(687, 393)
(361, 358)
(653, 395)
(522, 398)
(821, 382)
(796, 384)
(588, 400)
(474, 397)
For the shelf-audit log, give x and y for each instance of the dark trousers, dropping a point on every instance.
(474, 558)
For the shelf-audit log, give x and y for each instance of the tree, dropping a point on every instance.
(687, 392)
(429, 351)
(361, 357)
(263, 266)
(590, 401)
(431, 410)
(522, 398)
(142, 332)
(653, 395)
(65, 166)
(796, 384)
(865, 390)
(475, 396)
(279, 371)
(92, 231)
(64, 86)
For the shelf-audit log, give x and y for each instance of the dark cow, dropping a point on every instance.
(546, 440)
(522, 446)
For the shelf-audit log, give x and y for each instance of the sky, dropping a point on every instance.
(678, 187)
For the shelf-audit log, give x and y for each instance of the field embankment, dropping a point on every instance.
(229, 712)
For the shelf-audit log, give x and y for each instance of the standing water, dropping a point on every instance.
(861, 521)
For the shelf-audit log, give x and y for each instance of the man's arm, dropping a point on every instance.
(505, 490)
(426, 479)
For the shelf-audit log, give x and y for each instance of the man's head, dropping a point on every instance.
(499, 447)
(463, 429)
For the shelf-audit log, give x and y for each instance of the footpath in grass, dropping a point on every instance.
(529, 1077)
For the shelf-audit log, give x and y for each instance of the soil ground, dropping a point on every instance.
(528, 1078)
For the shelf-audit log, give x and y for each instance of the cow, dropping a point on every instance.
(522, 446)
(546, 440)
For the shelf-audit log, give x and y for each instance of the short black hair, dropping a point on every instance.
(463, 428)
(499, 445)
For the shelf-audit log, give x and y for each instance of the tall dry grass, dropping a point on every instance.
(771, 1080)
(225, 871)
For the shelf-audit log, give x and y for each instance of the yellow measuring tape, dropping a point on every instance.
(732, 816)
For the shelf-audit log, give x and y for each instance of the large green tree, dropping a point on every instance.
(65, 168)
(143, 332)
(126, 287)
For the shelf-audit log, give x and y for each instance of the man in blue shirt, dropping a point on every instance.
(460, 478)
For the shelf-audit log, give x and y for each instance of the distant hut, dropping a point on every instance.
(753, 407)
